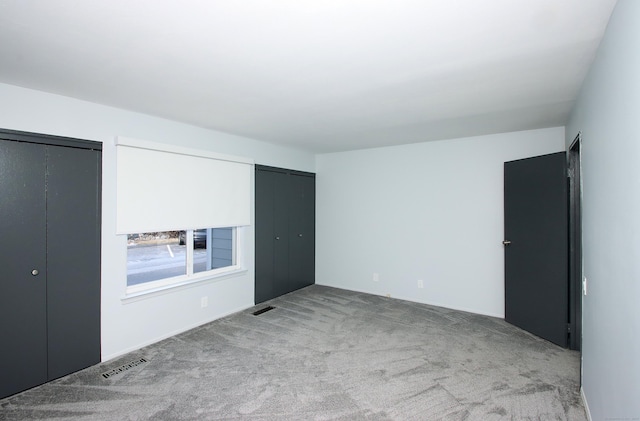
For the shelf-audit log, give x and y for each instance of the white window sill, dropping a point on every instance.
(170, 285)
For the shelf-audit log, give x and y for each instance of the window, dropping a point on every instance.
(159, 259)
(151, 186)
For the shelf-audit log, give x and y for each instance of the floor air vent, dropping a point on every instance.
(123, 368)
(263, 310)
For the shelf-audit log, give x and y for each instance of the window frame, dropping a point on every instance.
(190, 278)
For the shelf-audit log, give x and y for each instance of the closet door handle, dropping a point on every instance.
(277, 238)
(35, 272)
(300, 235)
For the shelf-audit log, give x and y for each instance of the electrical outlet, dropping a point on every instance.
(376, 277)
(204, 301)
(420, 283)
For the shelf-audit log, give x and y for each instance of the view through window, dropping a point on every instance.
(156, 256)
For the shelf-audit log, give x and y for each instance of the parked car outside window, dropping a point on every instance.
(199, 238)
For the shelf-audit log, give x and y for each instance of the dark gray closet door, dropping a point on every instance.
(23, 279)
(302, 232)
(265, 233)
(49, 258)
(73, 269)
(285, 231)
(272, 235)
(281, 244)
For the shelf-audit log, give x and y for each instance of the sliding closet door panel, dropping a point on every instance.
(302, 232)
(73, 246)
(23, 353)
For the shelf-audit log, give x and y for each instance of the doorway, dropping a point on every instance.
(575, 244)
(543, 246)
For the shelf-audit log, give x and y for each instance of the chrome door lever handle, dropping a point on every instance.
(506, 242)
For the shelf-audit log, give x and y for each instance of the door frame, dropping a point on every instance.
(45, 139)
(575, 242)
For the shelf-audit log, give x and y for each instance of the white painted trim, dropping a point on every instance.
(586, 405)
(163, 286)
(413, 300)
(174, 333)
(466, 310)
(164, 147)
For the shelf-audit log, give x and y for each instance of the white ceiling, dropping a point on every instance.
(319, 75)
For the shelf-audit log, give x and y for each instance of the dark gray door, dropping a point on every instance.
(272, 235)
(73, 263)
(302, 232)
(50, 259)
(285, 231)
(536, 245)
(23, 305)
(265, 184)
(280, 236)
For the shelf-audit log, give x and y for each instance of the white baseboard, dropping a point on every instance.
(170, 334)
(586, 405)
(413, 300)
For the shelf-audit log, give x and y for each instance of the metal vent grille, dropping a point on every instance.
(263, 310)
(124, 368)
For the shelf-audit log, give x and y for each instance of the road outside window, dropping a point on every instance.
(153, 256)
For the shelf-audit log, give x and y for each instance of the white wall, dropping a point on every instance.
(608, 114)
(431, 211)
(128, 326)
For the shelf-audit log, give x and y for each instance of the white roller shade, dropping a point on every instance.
(165, 188)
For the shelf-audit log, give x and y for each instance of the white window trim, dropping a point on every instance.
(189, 244)
(167, 285)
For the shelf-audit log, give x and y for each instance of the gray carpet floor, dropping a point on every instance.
(325, 354)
